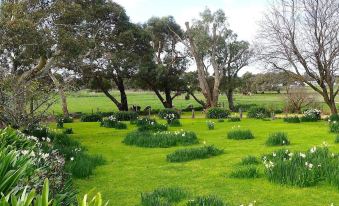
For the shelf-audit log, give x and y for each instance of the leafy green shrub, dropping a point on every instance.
(217, 113)
(302, 169)
(125, 115)
(311, 115)
(245, 172)
(161, 139)
(91, 118)
(163, 197)
(258, 113)
(68, 119)
(174, 123)
(334, 117)
(277, 139)
(294, 119)
(183, 155)
(206, 201)
(278, 111)
(120, 125)
(82, 165)
(68, 131)
(60, 123)
(210, 125)
(249, 160)
(239, 134)
(234, 119)
(169, 113)
(112, 122)
(334, 127)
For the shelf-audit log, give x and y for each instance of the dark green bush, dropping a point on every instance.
(60, 123)
(183, 155)
(163, 197)
(161, 139)
(221, 120)
(91, 118)
(234, 119)
(174, 123)
(240, 134)
(120, 125)
(68, 131)
(334, 117)
(277, 139)
(217, 113)
(210, 125)
(125, 115)
(146, 112)
(206, 201)
(112, 123)
(258, 113)
(165, 113)
(68, 119)
(38, 131)
(294, 119)
(250, 160)
(245, 172)
(278, 111)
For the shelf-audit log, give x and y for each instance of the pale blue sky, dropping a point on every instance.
(243, 15)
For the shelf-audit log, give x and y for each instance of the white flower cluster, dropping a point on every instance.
(112, 118)
(210, 123)
(236, 127)
(181, 133)
(312, 112)
(170, 117)
(268, 163)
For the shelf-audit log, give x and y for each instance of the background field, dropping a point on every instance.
(131, 170)
(86, 101)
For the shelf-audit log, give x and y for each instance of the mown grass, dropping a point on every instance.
(129, 171)
(87, 102)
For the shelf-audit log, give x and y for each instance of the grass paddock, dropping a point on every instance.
(130, 171)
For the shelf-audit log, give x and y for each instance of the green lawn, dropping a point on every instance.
(85, 101)
(131, 170)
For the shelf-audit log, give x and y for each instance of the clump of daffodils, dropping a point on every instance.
(302, 169)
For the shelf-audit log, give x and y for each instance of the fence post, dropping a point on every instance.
(240, 113)
(193, 115)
